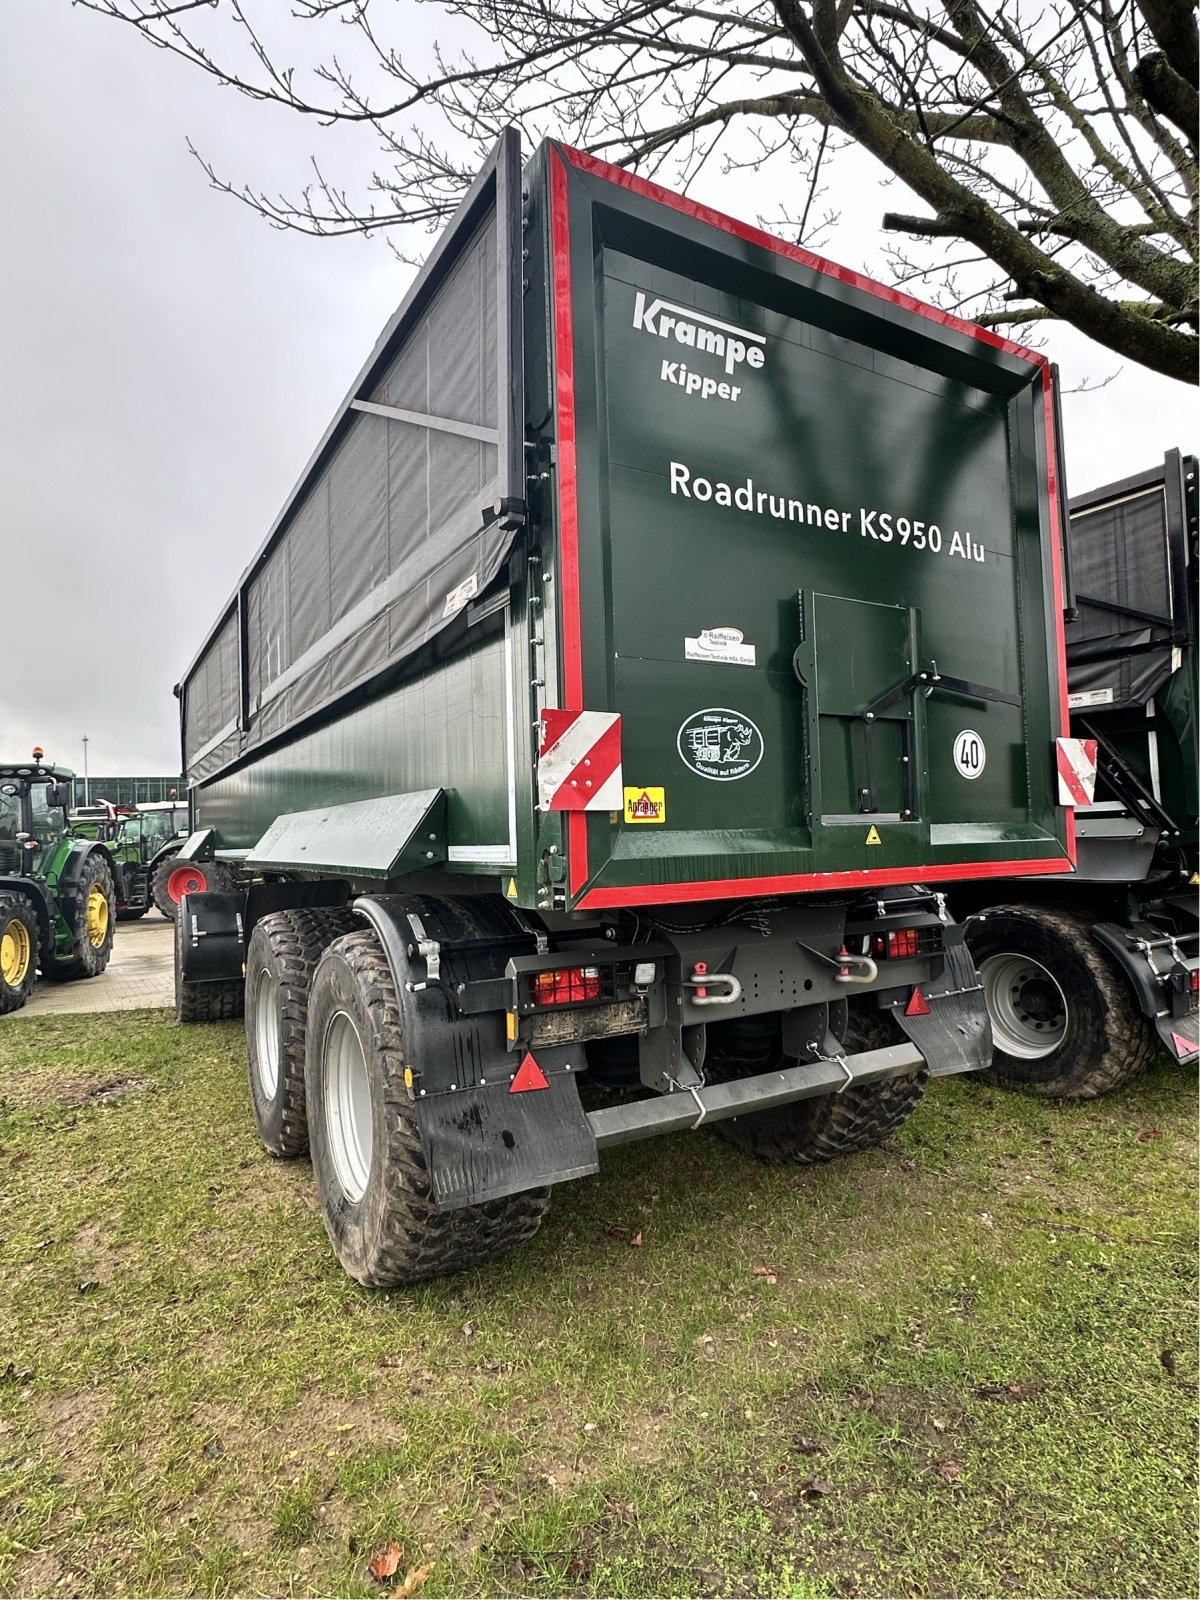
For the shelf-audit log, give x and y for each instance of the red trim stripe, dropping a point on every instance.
(568, 490)
(814, 882)
(795, 252)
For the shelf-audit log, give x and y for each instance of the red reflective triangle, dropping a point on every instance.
(529, 1076)
(918, 1006)
(1183, 1047)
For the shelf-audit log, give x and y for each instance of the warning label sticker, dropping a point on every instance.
(873, 835)
(1090, 697)
(645, 805)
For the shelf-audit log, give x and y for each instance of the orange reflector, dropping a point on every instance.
(1183, 1047)
(529, 1076)
(918, 1006)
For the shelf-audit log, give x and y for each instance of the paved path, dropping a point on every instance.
(141, 973)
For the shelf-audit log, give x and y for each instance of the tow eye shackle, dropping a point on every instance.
(702, 982)
(847, 964)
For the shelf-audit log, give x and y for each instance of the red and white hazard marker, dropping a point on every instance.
(1182, 1046)
(528, 1076)
(579, 765)
(1076, 771)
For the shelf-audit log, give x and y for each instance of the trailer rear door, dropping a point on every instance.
(807, 562)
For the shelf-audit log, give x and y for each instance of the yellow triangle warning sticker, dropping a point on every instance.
(1195, 878)
(511, 891)
(873, 835)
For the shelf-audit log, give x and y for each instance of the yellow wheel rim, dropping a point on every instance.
(97, 916)
(16, 953)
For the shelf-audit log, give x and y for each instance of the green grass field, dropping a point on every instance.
(962, 1364)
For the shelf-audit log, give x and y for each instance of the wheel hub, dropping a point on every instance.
(267, 1022)
(97, 917)
(348, 1106)
(16, 950)
(1028, 1008)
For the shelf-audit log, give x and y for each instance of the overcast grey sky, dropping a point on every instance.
(170, 362)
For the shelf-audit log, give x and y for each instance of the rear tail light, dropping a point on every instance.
(565, 986)
(1196, 981)
(902, 943)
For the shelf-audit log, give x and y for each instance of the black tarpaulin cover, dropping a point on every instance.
(390, 533)
(1119, 652)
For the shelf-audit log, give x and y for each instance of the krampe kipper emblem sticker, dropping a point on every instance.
(720, 744)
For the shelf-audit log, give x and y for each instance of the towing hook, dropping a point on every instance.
(702, 983)
(867, 972)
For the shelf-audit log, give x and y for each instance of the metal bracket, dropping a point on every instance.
(429, 950)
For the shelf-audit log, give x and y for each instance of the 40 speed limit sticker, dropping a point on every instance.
(970, 753)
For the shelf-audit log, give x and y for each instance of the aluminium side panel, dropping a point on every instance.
(806, 555)
(368, 649)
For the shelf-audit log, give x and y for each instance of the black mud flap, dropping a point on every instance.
(486, 1142)
(955, 1035)
(1181, 1035)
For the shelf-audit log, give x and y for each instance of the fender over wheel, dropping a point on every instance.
(204, 1002)
(373, 1185)
(1064, 1021)
(93, 923)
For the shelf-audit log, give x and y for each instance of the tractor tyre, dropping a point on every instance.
(18, 951)
(373, 1185)
(825, 1126)
(174, 878)
(1064, 1021)
(94, 924)
(204, 1002)
(283, 953)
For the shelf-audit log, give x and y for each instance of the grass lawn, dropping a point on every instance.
(962, 1364)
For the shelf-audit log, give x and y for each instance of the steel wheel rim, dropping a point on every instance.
(15, 953)
(348, 1105)
(1026, 1004)
(268, 1022)
(97, 916)
(185, 880)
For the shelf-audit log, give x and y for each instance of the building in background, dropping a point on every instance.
(129, 791)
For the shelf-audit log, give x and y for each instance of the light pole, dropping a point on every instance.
(86, 797)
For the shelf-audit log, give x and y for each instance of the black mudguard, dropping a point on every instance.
(482, 1140)
(956, 1034)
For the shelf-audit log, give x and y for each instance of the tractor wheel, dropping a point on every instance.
(284, 950)
(828, 1125)
(1064, 1023)
(18, 951)
(204, 1002)
(174, 878)
(373, 1185)
(94, 924)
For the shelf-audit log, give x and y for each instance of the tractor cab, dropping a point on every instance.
(33, 814)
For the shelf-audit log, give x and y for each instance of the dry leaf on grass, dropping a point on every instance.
(767, 1274)
(414, 1579)
(385, 1563)
(949, 1469)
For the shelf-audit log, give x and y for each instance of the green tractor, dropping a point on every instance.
(144, 847)
(57, 891)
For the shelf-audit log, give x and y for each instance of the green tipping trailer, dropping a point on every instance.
(665, 614)
(1087, 978)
